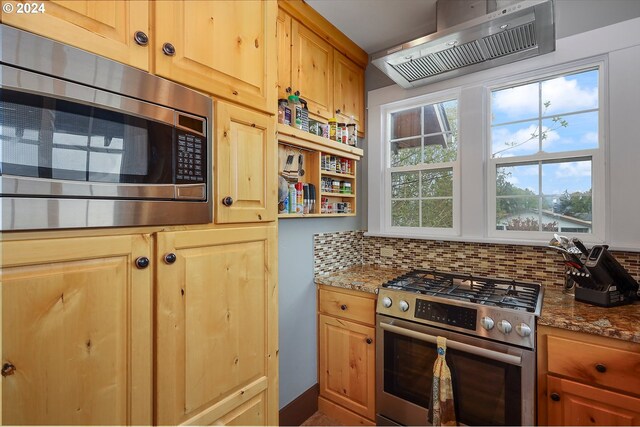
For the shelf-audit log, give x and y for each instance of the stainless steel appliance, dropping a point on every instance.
(489, 325)
(89, 142)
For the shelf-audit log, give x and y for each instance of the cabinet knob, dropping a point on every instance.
(141, 38)
(338, 111)
(142, 262)
(555, 397)
(288, 89)
(168, 49)
(601, 368)
(170, 258)
(343, 307)
(8, 369)
(227, 201)
(369, 340)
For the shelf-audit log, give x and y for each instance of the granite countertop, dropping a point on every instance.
(365, 278)
(559, 310)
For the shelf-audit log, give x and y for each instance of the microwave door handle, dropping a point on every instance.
(478, 351)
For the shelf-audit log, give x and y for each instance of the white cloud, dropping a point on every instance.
(564, 94)
(573, 170)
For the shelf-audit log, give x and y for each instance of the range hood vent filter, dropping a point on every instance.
(511, 41)
(524, 29)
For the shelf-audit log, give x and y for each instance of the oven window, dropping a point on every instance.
(44, 137)
(486, 392)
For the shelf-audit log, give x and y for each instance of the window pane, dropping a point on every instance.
(568, 133)
(519, 214)
(440, 148)
(437, 213)
(519, 139)
(574, 92)
(563, 177)
(405, 123)
(405, 152)
(404, 185)
(440, 117)
(515, 103)
(517, 180)
(405, 213)
(569, 211)
(437, 183)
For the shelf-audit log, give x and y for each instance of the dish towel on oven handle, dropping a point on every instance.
(442, 407)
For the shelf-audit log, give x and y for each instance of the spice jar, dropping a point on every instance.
(353, 134)
(344, 133)
(284, 112)
(335, 186)
(333, 129)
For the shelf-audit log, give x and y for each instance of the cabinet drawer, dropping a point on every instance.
(607, 366)
(360, 309)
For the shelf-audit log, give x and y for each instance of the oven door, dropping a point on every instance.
(493, 383)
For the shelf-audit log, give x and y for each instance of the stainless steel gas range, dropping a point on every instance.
(489, 325)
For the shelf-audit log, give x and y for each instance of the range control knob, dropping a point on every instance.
(404, 306)
(523, 329)
(487, 323)
(504, 326)
(386, 301)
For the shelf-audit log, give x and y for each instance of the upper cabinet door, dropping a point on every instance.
(77, 332)
(105, 27)
(226, 48)
(348, 91)
(245, 165)
(283, 31)
(312, 70)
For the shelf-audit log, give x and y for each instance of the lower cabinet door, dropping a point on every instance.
(571, 403)
(347, 364)
(216, 334)
(76, 331)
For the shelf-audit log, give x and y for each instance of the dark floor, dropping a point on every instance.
(320, 419)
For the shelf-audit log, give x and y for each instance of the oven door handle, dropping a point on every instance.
(478, 351)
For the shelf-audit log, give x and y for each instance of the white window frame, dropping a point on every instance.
(386, 112)
(597, 155)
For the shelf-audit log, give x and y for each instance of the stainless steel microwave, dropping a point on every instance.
(89, 142)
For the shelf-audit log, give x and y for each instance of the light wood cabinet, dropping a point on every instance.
(105, 27)
(226, 48)
(348, 91)
(346, 359)
(216, 334)
(318, 61)
(586, 379)
(76, 331)
(245, 165)
(312, 70)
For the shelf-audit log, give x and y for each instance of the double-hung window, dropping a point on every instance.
(546, 165)
(422, 168)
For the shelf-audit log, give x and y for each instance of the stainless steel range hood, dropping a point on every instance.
(506, 31)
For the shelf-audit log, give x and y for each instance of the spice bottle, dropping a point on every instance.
(353, 134)
(333, 129)
(284, 112)
(344, 133)
(296, 111)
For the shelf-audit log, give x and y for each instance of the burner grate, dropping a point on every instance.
(465, 287)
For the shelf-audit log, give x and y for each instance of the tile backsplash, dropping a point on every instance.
(336, 251)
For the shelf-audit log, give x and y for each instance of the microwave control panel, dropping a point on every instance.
(462, 317)
(190, 158)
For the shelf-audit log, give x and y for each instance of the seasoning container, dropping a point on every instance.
(335, 186)
(333, 129)
(345, 166)
(344, 133)
(338, 166)
(352, 131)
(325, 130)
(334, 162)
(296, 111)
(284, 112)
(347, 207)
(292, 198)
(327, 162)
(299, 197)
(314, 127)
(304, 115)
(345, 187)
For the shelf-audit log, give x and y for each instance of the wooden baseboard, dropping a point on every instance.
(344, 416)
(301, 408)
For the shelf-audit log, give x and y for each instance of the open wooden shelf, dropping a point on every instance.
(310, 148)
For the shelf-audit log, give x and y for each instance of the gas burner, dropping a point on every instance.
(465, 287)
